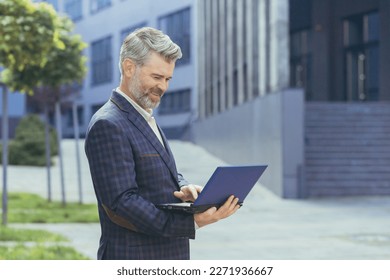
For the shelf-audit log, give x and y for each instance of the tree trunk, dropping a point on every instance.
(59, 138)
(76, 138)
(5, 154)
(48, 153)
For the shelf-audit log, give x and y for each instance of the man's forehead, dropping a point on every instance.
(157, 64)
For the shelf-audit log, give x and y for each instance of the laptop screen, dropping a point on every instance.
(229, 180)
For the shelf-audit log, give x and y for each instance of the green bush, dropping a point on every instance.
(28, 147)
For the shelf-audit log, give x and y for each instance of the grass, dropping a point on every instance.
(39, 252)
(28, 244)
(29, 235)
(31, 208)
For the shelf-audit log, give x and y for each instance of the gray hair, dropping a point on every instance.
(138, 45)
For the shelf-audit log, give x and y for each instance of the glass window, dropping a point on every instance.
(97, 5)
(101, 59)
(74, 9)
(372, 73)
(80, 116)
(177, 27)
(175, 102)
(361, 29)
(300, 60)
(130, 29)
(371, 27)
(361, 49)
(353, 31)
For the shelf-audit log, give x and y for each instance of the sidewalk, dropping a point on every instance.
(267, 227)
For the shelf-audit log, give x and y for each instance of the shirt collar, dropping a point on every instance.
(146, 114)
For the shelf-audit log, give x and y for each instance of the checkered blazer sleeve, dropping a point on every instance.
(182, 182)
(117, 168)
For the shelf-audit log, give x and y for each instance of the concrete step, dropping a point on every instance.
(351, 191)
(328, 141)
(348, 108)
(347, 129)
(347, 162)
(376, 114)
(345, 169)
(347, 148)
(349, 175)
(334, 119)
(348, 184)
(351, 136)
(347, 155)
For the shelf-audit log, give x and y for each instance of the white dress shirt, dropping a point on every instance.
(147, 115)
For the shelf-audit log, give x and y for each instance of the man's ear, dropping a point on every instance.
(128, 68)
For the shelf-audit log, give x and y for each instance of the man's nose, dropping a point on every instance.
(163, 86)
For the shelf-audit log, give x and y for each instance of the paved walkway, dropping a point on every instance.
(267, 227)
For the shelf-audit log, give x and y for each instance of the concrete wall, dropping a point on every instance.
(267, 130)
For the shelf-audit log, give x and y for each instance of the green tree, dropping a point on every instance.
(65, 66)
(46, 56)
(27, 33)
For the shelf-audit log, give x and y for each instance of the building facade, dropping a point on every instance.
(256, 55)
(247, 112)
(242, 56)
(261, 82)
(340, 55)
(340, 50)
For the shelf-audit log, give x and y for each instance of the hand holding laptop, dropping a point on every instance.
(213, 214)
(225, 181)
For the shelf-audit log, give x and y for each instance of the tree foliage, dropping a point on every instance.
(46, 52)
(27, 32)
(64, 66)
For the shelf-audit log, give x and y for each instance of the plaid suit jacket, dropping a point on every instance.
(131, 172)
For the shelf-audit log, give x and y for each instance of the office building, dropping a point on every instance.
(300, 85)
(330, 139)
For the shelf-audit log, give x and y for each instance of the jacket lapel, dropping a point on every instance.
(141, 124)
(167, 148)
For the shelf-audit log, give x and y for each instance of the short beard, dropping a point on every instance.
(142, 98)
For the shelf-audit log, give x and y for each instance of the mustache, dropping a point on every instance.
(157, 91)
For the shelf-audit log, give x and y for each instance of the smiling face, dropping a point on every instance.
(146, 84)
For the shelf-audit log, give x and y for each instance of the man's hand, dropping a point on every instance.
(188, 193)
(213, 215)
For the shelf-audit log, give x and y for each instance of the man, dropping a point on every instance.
(132, 166)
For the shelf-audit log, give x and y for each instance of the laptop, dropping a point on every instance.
(225, 181)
